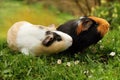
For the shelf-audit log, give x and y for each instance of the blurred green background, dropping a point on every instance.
(46, 12)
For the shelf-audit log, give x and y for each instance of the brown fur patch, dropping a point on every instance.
(79, 29)
(103, 25)
(53, 49)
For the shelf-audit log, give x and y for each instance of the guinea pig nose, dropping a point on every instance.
(71, 40)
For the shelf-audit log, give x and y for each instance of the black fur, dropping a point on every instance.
(82, 40)
(50, 40)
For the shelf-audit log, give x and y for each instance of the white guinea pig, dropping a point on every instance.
(37, 39)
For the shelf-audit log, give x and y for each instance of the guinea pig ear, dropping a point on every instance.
(84, 25)
(48, 41)
(52, 27)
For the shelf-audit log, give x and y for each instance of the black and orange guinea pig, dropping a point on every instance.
(85, 31)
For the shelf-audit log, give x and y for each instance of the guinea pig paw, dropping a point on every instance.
(25, 51)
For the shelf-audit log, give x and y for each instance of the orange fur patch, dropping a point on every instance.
(103, 25)
(79, 29)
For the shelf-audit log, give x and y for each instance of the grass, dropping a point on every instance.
(95, 63)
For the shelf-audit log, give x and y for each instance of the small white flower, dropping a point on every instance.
(113, 39)
(68, 64)
(76, 62)
(86, 72)
(90, 76)
(59, 61)
(101, 47)
(112, 54)
(100, 41)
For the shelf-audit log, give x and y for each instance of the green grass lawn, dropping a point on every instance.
(95, 63)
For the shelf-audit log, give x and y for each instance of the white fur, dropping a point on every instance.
(67, 39)
(29, 36)
(28, 39)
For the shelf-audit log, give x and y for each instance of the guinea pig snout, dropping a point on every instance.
(71, 40)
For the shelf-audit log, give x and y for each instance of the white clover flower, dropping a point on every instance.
(68, 64)
(76, 62)
(101, 47)
(100, 41)
(86, 72)
(113, 39)
(112, 54)
(59, 61)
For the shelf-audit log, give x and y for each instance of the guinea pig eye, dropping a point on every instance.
(59, 38)
(96, 24)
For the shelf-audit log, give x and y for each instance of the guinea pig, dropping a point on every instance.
(85, 31)
(37, 39)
